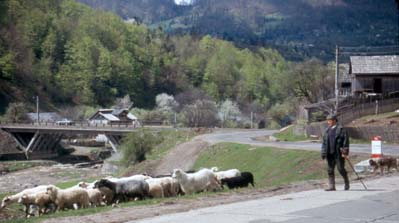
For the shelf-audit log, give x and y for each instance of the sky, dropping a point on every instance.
(179, 2)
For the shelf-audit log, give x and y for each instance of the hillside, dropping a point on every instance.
(298, 28)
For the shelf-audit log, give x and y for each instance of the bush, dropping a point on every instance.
(136, 145)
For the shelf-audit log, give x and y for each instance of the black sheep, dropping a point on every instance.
(244, 180)
(123, 190)
(249, 176)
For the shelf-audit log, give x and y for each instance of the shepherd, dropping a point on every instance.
(335, 149)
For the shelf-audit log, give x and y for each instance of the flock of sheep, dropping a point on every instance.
(110, 191)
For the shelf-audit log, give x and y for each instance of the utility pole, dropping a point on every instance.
(37, 109)
(252, 118)
(336, 78)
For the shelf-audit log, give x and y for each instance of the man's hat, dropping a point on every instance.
(332, 117)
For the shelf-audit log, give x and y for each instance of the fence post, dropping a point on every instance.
(376, 107)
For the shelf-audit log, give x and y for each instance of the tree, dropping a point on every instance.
(166, 103)
(16, 112)
(228, 111)
(313, 81)
(124, 102)
(203, 113)
(136, 145)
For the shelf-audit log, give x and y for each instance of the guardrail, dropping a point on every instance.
(83, 124)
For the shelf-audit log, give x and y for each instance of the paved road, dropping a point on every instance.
(246, 137)
(380, 204)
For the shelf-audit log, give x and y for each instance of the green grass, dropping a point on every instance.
(288, 135)
(171, 138)
(271, 167)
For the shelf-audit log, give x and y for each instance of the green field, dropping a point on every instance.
(271, 167)
(289, 136)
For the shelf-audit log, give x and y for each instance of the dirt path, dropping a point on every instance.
(182, 156)
(42, 175)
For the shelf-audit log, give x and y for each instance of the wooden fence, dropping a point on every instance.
(363, 109)
(388, 133)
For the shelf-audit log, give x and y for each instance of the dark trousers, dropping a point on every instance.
(336, 159)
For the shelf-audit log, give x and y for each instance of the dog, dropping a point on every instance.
(386, 161)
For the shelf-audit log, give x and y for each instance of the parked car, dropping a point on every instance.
(65, 122)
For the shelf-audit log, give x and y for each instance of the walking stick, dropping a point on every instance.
(350, 164)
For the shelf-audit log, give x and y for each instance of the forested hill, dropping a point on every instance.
(298, 28)
(70, 54)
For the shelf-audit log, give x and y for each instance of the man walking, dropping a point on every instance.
(335, 148)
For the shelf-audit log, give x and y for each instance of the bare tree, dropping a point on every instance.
(124, 102)
(203, 113)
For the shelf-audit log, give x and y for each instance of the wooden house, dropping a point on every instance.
(113, 116)
(376, 75)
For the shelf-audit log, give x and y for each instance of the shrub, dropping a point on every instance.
(136, 145)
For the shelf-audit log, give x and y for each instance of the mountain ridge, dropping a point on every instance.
(299, 29)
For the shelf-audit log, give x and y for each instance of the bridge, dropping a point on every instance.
(45, 137)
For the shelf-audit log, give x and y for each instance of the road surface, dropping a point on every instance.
(247, 137)
(379, 204)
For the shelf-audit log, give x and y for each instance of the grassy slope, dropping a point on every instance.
(288, 135)
(271, 167)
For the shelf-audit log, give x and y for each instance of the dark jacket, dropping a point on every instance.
(341, 141)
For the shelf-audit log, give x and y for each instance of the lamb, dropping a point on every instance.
(225, 174)
(28, 200)
(68, 197)
(14, 198)
(123, 190)
(202, 180)
(169, 185)
(155, 189)
(95, 197)
(244, 180)
(44, 202)
(106, 194)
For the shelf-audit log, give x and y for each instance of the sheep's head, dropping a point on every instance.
(22, 198)
(51, 190)
(177, 173)
(6, 201)
(215, 169)
(82, 184)
(102, 183)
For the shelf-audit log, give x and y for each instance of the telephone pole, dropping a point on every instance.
(37, 109)
(336, 78)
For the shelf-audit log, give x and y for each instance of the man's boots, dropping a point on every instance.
(331, 183)
(346, 181)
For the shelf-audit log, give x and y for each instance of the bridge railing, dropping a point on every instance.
(75, 124)
(83, 124)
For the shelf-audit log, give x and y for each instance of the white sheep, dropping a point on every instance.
(106, 194)
(155, 188)
(95, 197)
(43, 201)
(68, 197)
(170, 185)
(225, 174)
(202, 180)
(28, 201)
(14, 198)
